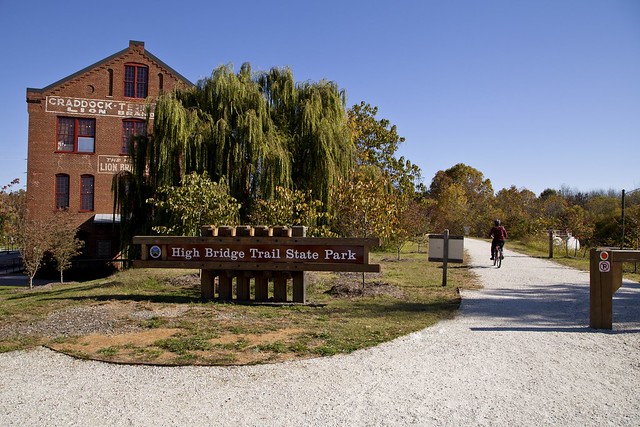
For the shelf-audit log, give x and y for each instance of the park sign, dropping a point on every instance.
(234, 258)
(242, 253)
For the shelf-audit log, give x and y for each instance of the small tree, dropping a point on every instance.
(64, 243)
(291, 207)
(364, 205)
(34, 240)
(12, 205)
(197, 201)
(413, 224)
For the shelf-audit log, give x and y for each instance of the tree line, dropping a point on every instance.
(463, 200)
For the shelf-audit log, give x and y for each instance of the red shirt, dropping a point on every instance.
(498, 233)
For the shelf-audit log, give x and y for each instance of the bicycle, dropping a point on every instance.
(498, 256)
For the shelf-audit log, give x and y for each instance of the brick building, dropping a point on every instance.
(79, 131)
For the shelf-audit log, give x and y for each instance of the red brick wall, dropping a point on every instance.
(89, 88)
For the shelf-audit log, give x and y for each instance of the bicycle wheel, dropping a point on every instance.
(498, 258)
(495, 256)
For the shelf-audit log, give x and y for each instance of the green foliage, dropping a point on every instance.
(291, 207)
(33, 240)
(412, 222)
(460, 196)
(377, 142)
(463, 199)
(516, 208)
(12, 207)
(197, 201)
(364, 205)
(257, 132)
(64, 243)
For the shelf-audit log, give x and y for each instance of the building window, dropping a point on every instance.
(161, 82)
(130, 129)
(135, 81)
(76, 135)
(62, 191)
(103, 249)
(110, 89)
(86, 193)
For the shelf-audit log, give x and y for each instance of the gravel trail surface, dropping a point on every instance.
(520, 353)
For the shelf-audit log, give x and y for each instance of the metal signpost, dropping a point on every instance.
(445, 248)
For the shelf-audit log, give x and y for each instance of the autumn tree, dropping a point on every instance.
(291, 208)
(12, 207)
(364, 205)
(632, 226)
(464, 198)
(377, 142)
(411, 222)
(606, 213)
(578, 221)
(34, 240)
(64, 244)
(516, 209)
(550, 206)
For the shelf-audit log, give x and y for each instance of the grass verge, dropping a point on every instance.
(157, 317)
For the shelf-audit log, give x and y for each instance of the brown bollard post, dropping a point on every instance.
(299, 277)
(600, 294)
(225, 285)
(243, 280)
(605, 278)
(261, 278)
(207, 277)
(207, 285)
(279, 278)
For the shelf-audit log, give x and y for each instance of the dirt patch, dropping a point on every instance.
(109, 318)
(350, 285)
(149, 347)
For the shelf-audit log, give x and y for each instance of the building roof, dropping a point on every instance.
(105, 60)
(106, 219)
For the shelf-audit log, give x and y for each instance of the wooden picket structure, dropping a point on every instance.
(270, 274)
(605, 277)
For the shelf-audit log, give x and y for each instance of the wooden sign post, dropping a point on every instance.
(605, 278)
(264, 254)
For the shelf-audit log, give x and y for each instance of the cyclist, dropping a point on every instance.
(499, 234)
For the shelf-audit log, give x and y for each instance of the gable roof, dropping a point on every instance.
(109, 58)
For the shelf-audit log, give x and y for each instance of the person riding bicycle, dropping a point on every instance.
(499, 234)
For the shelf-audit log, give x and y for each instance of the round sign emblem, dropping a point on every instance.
(604, 267)
(155, 252)
(604, 256)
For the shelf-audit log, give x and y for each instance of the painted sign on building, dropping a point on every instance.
(113, 164)
(98, 107)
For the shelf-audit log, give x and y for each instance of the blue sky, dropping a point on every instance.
(533, 93)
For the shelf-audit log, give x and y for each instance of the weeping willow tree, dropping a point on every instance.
(257, 131)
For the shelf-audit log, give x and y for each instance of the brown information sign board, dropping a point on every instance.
(232, 252)
(254, 253)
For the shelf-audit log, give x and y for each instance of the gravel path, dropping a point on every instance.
(519, 354)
